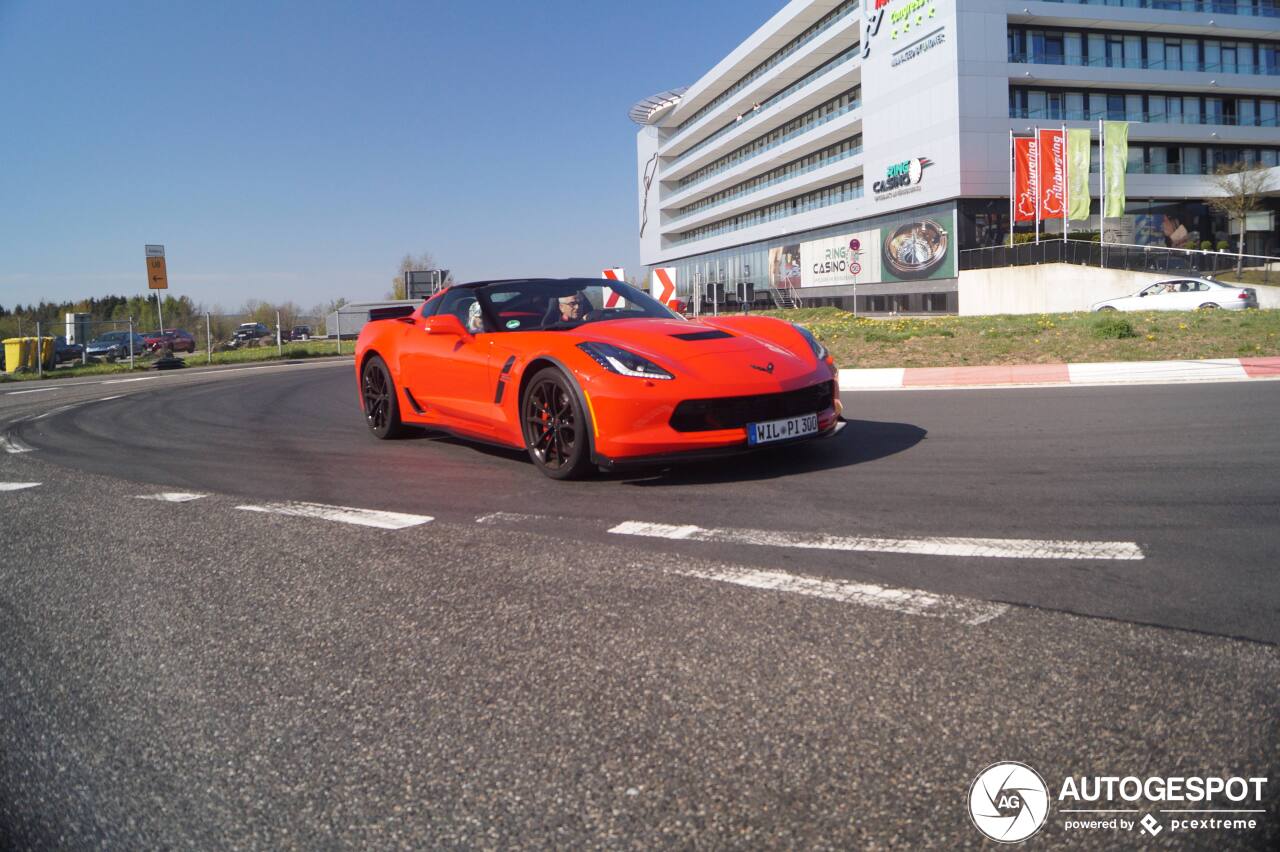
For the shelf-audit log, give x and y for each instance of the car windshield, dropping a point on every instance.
(555, 305)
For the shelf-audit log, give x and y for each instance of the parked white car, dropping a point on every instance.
(1183, 294)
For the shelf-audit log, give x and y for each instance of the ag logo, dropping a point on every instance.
(1008, 802)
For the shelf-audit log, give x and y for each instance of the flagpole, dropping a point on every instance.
(1102, 194)
(1066, 186)
(1036, 179)
(1013, 166)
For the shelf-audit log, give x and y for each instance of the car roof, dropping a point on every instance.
(559, 282)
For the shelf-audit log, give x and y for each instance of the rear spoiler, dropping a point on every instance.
(391, 313)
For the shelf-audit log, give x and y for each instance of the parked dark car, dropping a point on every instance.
(115, 344)
(250, 331)
(178, 339)
(300, 332)
(64, 352)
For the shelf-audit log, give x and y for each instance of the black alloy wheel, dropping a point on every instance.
(1106, 308)
(378, 394)
(555, 427)
(1209, 306)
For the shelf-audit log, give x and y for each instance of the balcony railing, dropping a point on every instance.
(1250, 8)
(1264, 69)
(731, 226)
(1215, 120)
(760, 70)
(847, 56)
(756, 187)
(813, 123)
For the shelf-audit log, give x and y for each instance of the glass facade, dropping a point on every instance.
(1112, 49)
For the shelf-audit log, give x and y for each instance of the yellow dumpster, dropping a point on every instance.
(46, 350)
(16, 352)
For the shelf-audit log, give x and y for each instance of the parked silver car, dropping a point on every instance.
(1183, 294)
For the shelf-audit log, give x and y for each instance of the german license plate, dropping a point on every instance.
(781, 430)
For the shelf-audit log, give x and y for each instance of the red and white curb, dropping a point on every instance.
(1041, 375)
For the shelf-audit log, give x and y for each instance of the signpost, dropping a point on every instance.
(157, 277)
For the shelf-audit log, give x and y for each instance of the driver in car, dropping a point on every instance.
(574, 307)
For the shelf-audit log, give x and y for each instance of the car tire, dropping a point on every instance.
(1209, 306)
(1106, 308)
(555, 426)
(379, 401)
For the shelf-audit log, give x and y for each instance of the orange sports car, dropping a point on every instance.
(586, 373)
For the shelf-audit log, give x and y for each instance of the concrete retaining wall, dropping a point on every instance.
(1058, 288)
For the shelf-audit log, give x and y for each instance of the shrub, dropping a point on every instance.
(1112, 327)
(1206, 245)
(1222, 245)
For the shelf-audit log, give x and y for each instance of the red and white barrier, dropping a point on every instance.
(611, 297)
(1040, 375)
(664, 284)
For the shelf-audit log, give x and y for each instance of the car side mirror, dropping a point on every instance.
(447, 324)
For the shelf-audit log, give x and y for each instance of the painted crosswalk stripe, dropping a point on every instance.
(10, 444)
(173, 496)
(342, 514)
(17, 486)
(1006, 548)
(907, 601)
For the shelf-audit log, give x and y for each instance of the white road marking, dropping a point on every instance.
(510, 518)
(109, 398)
(1007, 548)
(12, 445)
(172, 496)
(342, 514)
(908, 601)
(33, 390)
(17, 486)
(1218, 369)
(122, 381)
(872, 378)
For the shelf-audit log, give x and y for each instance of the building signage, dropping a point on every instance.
(901, 178)
(846, 259)
(904, 21)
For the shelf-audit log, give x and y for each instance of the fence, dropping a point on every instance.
(197, 339)
(1258, 269)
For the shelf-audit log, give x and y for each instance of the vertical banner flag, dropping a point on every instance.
(1052, 149)
(611, 298)
(1078, 141)
(1025, 175)
(664, 284)
(1116, 158)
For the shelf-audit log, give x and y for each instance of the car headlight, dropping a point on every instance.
(622, 362)
(819, 351)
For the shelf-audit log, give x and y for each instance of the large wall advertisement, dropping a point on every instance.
(911, 249)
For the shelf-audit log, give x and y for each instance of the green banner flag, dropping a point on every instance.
(1078, 173)
(1115, 160)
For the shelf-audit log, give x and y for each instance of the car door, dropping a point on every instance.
(447, 374)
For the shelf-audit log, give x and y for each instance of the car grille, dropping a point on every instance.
(730, 412)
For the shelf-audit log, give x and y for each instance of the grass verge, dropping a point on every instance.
(1040, 338)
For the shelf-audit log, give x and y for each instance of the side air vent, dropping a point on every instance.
(702, 335)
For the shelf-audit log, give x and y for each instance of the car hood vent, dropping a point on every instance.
(714, 334)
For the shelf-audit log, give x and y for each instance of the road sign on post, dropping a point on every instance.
(157, 274)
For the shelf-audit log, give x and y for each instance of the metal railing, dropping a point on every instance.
(1214, 119)
(1248, 8)
(1133, 258)
(1139, 64)
(752, 186)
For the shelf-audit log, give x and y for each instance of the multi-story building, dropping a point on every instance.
(849, 152)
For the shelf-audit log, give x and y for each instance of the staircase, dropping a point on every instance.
(783, 298)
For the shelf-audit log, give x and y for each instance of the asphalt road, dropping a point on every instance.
(196, 675)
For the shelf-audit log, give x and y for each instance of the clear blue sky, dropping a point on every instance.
(295, 151)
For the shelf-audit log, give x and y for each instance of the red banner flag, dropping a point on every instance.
(1025, 175)
(1052, 150)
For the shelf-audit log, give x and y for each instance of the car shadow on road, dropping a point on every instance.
(860, 441)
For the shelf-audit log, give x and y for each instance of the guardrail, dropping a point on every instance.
(1258, 269)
